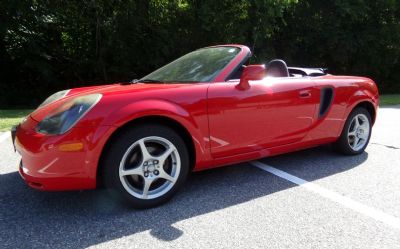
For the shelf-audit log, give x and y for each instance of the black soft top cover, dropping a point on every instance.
(300, 71)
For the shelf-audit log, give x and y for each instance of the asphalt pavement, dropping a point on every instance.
(321, 200)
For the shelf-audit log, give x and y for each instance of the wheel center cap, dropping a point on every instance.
(360, 132)
(150, 165)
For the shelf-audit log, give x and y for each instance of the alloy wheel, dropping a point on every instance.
(358, 133)
(150, 167)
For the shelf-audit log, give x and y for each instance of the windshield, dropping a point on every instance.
(202, 65)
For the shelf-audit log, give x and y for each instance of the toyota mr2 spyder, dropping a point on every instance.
(207, 109)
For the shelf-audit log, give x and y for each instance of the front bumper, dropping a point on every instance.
(31, 181)
(46, 165)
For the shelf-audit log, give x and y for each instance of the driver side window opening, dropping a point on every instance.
(237, 72)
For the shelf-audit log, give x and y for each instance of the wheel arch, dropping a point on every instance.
(364, 99)
(369, 107)
(169, 122)
(343, 145)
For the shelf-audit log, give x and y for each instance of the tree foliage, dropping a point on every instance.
(49, 45)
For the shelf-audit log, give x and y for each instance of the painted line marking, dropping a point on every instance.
(3, 137)
(333, 196)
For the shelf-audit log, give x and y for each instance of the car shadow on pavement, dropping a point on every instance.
(80, 219)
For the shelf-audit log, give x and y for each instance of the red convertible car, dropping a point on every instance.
(207, 109)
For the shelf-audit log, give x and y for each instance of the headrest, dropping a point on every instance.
(277, 68)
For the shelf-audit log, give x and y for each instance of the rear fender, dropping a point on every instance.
(360, 96)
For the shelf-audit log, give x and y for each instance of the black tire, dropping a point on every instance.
(342, 145)
(119, 147)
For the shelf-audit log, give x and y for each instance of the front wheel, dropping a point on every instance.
(356, 133)
(145, 166)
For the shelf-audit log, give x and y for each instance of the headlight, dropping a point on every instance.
(54, 97)
(63, 118)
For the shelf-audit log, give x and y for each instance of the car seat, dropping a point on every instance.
(277, 68)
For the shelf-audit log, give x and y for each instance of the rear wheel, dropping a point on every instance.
(356, 133)
(145, 166)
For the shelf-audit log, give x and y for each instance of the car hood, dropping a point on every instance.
(125, 88)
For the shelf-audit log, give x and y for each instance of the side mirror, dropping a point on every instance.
(251, 72)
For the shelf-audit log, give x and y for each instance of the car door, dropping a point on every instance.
(272, 112)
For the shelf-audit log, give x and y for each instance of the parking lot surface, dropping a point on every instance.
(341, 202)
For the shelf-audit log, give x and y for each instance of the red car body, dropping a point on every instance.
(223, 123)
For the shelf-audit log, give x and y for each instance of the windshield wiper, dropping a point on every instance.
(148, 81)
(135, 81)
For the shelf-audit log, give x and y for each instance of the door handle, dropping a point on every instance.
(305, 94)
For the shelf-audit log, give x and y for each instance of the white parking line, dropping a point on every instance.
(4, 136)
(333, 196)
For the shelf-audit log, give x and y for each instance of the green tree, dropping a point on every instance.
(49, 45)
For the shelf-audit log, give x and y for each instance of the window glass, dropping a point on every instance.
(202, 65)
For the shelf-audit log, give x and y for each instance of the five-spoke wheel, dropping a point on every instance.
(146, 165)
(150, 167)
(356, 132)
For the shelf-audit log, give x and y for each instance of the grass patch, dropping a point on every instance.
(8, 118)
(389, 99)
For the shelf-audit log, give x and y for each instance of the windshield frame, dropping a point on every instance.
(235, 62)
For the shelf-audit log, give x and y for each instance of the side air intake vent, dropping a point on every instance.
(326, 100)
